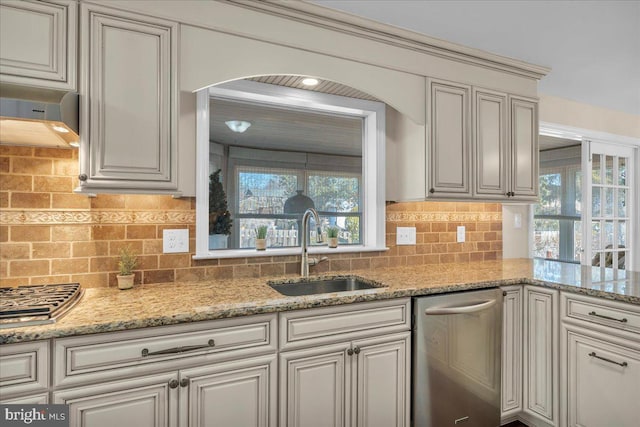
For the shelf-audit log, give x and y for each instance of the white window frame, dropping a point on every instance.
(373, 160)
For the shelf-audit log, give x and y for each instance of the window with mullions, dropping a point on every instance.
(557, 216)
(262, 193)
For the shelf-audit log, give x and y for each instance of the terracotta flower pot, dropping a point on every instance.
(125, 282)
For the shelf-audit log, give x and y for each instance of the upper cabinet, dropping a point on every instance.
(128, 110)
(38, 43)
(481, 144)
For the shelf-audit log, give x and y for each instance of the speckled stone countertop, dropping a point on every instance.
(107, 310)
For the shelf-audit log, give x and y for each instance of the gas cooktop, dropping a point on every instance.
(37, 304)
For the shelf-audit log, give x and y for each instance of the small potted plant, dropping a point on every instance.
(332, 236)
(261, 237)
(126, 263)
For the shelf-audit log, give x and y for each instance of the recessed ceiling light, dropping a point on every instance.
(309, 81)
(60, 129)
(74, 144)
(238, 126)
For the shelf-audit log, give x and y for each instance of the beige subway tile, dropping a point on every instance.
(262, 260)
(340, 265)
(294, 267)
(141, 231)
(144, 202)
(242, 271)
(14, 150)
(484, 246)
(454, 247)
(446, 237)
(89, 249)
(361, 264)
(53, 184)
(490, 256)
(490, 235)
(149, 262)
(476, 256)
(31, 200)
(30, 233)
(27, 268)
(158, 276)
(438, 227)
(13, 282)
(496, 246)
(31, 166)
(407, 250)
(108, 232)
(60, 153)
(423, 249)
(232, 261)
(108, 201)
(155, 247)
(470, 226)
(463, 207)
(67, 167)
(70, 201)
(423, 227)
(4, 199)
(174, 261)
(13, 251)
(70, 266)
(135, 246)
(71, 233)
(103, 264)
(91, 280)
(447, 258)
(380, 262)
(50, 280)
(4, 233)
(4, 164)
(4, 268)
(16, 183)
(475, 236)
(496, 226)
(191, 274)
(415, 260)
(272, 269)
(219, 272)
(483, 226)
(51, 250)
(462, 257)
(431, 237)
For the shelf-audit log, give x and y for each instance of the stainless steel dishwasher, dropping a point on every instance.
(456, 359)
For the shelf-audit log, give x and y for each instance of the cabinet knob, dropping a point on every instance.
(350, 352)
(432, 190)
(512, 194)
(184, 382)
(82, 177)
(173, 384)
(356, 350)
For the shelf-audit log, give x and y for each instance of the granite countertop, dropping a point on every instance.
(109, 309)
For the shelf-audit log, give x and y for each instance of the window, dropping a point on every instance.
(346, 187)
(557, 216)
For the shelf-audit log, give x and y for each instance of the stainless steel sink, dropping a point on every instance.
(312, 287)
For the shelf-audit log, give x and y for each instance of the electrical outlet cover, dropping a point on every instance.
(405, 235)
(460, 234)
(175, 241)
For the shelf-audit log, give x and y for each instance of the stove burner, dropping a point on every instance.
(37, 304)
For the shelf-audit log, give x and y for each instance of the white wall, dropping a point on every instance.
(516, 242)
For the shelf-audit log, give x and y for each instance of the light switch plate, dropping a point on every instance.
(517, 220)
(461, 234)
(405, 236)
(175, 241)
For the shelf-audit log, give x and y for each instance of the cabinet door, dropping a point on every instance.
(490, 143)
(381, 395)
(142, 402)
(38, 43)
(541, 354)
(315, 386)
(237, 393)
(449, 121)
(524, 148)
(512, 351)
(603, 381)
(128, 140)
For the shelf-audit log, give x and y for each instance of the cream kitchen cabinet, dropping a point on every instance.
(24, 372)
(511, 352)
(222, 372)
(129, 103)
(540, 350)
(523, 145)
(600, 362)
(346, 366)
(38, 43)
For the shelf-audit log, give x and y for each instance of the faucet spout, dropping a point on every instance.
(304, 262)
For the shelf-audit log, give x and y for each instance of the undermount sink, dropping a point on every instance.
(324, 286)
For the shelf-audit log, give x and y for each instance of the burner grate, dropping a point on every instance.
(36, 303)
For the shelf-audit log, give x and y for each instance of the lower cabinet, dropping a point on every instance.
(511, 398)
(237, 393)
(355, 383)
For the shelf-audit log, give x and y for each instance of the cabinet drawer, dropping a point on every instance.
(114, 355)
(323, 325)
(612, 314)
(24, 368)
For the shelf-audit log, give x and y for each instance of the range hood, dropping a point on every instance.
(38, 117)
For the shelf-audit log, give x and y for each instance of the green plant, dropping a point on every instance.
(332, 232)
(261, 232)
(128, 261)
(219, 217)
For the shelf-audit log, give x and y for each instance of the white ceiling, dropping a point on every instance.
(593, 47)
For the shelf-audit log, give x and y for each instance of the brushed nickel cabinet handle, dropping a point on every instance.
(602, 316)
(623, 364)
(175, 350)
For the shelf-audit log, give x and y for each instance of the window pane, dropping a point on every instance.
(595, 202)
(622, 171)
(550, 195)
(609, 170)
(595, 169)
(595, 236)
(577, 240)
(608, 234)
(608, 205)
(282, 232)
(578, 195)
(264, 191)
(622, 234)
(546, 238)
(622, 203)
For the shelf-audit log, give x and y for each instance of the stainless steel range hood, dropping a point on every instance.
(38, 117)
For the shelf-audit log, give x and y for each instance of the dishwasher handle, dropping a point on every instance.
(460, 309)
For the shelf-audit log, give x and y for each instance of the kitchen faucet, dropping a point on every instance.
(304, 263)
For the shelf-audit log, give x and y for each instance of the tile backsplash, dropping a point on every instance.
(48, 234)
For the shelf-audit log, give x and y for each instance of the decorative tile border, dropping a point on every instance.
(96, 217)
(443, 216)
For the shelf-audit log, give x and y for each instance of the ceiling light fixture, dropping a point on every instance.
(310, 81)
(60, 129)
(238, 126)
